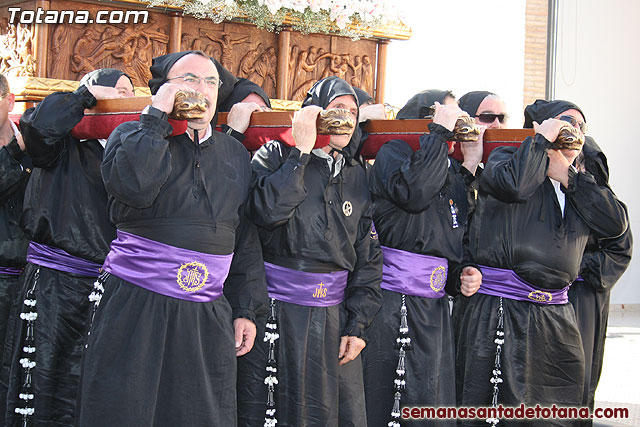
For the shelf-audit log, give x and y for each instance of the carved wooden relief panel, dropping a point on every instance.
(68, 51)
(313, 57)
(16, 49)
(244, 50)
(77, 49)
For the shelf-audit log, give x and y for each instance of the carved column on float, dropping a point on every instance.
(381, 70)
(40, 42)
(284, 48)
(175, 32)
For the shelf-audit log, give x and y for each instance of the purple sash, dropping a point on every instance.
(303, 288)
(58, 259)
(10, 271)
(167, 270)
(578, 279)
(413, 274)
(506, 283)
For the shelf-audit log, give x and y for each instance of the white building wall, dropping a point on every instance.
(460, 45)
(598, 68)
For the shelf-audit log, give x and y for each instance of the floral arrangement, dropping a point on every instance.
(353, 18)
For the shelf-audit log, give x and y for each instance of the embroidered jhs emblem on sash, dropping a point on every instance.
(454, 214)
(540, 296)
(192, 276)
(321, 291)
(347, 208)
(438, 278)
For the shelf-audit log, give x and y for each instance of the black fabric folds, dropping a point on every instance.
(603, 263)
(418, 107)
(241, 90)
(518, 225)
(542, 110)
(362, 96)
(413, 193)
(469, 102)
(299, 207)
(142, 366)
(63, 309)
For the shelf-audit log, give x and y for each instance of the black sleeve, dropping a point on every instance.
(596, 205)
(601, 269)
(246, 287)
(137, 161)
(363, 296)
(411, 180)
(232, 132)
(278, 185)
(513, 175)
(46, 128)
(11, 172)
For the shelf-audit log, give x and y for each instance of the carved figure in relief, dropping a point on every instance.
(264, 73)
(16, 57)
(367, 74)
(248, 61)
(226, 44)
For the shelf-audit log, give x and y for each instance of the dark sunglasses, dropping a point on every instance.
(489, 118)
(575, 123)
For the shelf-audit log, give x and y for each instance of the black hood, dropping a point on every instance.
(542, 110)
(362, 96)
(241, 90)
(470, 102)
(162, 64)
(418, 107)
(325, 91)
(103, 77)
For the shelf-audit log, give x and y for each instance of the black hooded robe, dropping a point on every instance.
(603, 263)
(298, 206)
(65, 207)
(518, 225)
(15, 167)
(412, 194)
(151, 359)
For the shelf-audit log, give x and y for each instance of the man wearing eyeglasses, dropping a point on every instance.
(184, 279)
(604, 260)
(487, 108)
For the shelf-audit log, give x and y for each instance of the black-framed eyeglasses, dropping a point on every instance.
(194, 81)
(490, 117)
(575, 123)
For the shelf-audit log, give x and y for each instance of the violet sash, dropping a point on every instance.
(10, 271)
(58, 259)
(413, 274)
(167, 270)
(304, 288)
(506, 283)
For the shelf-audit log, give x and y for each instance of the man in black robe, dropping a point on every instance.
(323, 265)
(65, 219)
(604, 260)
(519, 341)
(15, 167)
(420, 204)
(184, 278)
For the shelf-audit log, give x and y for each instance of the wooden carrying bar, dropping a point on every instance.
(100, 121)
